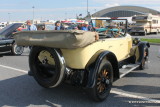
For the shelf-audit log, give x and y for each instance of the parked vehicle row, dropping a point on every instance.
(7, 42)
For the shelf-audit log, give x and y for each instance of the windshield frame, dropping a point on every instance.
(125, 27)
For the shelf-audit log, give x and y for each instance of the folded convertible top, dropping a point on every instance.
(57, 39)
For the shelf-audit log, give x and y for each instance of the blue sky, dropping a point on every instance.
(21, 10)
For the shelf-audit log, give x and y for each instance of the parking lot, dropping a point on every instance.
(149, 36)
(138, 88)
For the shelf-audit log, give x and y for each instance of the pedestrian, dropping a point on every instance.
(30, 26)
(79, 26)
(85, 26)
(58, 26)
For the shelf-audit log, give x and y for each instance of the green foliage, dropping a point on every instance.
(151, 40)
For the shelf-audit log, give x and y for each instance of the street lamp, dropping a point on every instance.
(9, 17)
(33, 13)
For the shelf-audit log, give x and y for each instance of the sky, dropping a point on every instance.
(21, 10)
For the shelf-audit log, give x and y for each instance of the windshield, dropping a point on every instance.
(110, 27)
(140, 23)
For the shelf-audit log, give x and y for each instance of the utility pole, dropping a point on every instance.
(33, 14)
(87, 8)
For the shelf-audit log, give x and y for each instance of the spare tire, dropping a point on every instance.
(47, 66)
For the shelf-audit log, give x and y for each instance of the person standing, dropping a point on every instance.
(58, 26)
(79, 26)
(85, 26)
(30, 26)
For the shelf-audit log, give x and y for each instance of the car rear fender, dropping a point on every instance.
(141, 46)
(94, 63)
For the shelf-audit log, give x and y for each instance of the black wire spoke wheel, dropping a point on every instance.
(17, 50)
(103, 83)
(45, 65)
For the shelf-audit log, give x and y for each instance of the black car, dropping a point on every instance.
(7, 42)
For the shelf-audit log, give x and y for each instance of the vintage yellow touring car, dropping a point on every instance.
(76, 57)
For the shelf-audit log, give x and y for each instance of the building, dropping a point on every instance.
(124, 11)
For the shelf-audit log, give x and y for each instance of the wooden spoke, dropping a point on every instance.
(98, 83)
(99, 79)
(98, 88)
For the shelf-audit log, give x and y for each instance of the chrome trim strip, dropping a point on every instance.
(5, 52)
(2, 45)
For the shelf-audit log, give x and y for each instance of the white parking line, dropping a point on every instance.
(13, 68)
(135, 96)
(112, 91)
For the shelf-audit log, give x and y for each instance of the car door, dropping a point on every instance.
(120, 47)
(5, 44)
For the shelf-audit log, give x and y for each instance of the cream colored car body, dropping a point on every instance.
(78, 58)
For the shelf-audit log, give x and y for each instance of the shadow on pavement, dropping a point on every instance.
(24, 91)
(140, 89)
(142, 74)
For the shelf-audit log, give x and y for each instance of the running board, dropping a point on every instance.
(127, 69)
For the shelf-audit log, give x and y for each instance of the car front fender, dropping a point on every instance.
(94, 63)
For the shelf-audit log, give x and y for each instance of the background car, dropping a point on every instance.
(7, 42)
(45, 26)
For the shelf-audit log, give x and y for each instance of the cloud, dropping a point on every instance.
(144, 3)
(155, 8)
(111, 5)
(8, 5)
(70, 9)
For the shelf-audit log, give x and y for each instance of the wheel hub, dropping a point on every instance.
(45, 61)
(105, 81)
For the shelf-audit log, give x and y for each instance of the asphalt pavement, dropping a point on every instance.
(139, 88)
